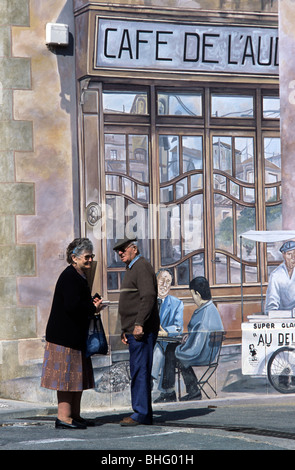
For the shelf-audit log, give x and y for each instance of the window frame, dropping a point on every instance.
(196, 125)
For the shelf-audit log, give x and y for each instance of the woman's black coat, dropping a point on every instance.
(71, 308)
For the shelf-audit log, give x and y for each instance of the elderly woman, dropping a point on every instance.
(65, 367)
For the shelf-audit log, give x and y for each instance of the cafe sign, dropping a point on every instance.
(165, 46)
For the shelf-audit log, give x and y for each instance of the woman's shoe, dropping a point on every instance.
(73, 425)
(86, 421)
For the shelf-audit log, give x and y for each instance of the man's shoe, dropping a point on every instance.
(73, 425)
(129, 422)
(192, 396)
(165, 397)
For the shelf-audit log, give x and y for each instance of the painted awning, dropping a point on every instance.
(268, 236)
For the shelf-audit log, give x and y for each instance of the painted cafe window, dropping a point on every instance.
(234, 203)
(189, 197)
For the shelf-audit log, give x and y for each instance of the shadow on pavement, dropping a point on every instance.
(160, 416)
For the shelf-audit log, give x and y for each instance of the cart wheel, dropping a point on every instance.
(281, 370)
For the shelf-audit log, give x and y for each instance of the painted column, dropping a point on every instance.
(287, 98)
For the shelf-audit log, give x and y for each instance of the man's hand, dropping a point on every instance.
(184, 338)
(162, 332)
(138, 332)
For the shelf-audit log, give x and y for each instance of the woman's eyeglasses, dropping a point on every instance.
(88, 257)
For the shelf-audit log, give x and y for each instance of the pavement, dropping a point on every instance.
(249, 412)
(13, 409)
(238, 421)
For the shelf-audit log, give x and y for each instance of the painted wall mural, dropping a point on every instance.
(164, 125)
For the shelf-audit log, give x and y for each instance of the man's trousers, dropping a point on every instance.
(141, 361)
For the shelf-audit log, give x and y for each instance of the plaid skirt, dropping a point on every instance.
(66, 369)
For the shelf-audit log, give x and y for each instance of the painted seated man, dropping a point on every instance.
(195, 349)
(171, 322)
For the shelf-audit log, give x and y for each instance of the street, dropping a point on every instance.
(259, 423)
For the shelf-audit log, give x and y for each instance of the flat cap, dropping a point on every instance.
(287, 246)
(122, 242)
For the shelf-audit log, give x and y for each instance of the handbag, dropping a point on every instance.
(96, 340)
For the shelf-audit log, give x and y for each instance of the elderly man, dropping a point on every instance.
(280, 293)
(171, 325)
(195, 348)
(139, 314)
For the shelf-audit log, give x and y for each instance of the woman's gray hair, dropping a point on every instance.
(77, 247)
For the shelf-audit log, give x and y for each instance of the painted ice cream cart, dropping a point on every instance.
(268, 340)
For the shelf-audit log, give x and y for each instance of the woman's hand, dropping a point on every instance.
(124, 339)
(97, 303)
